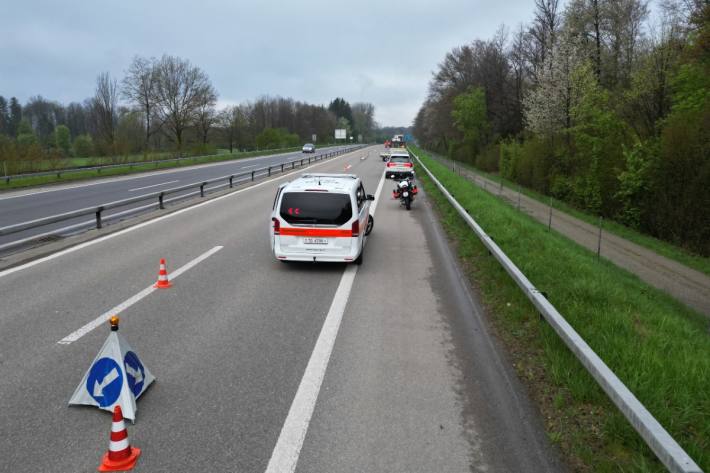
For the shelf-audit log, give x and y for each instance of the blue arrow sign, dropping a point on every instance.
(135, 372)
(104, 381)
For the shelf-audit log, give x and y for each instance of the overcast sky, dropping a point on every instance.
(375, 51)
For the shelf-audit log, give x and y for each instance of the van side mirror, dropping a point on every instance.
(370, 197)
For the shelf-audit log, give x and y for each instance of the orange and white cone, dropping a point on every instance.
(120, 456)
(163, 281)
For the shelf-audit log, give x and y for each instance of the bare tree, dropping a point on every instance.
(180, 90)
(139, 89)
(104, 108)
(206, 116)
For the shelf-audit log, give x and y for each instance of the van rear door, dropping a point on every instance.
(316, 222)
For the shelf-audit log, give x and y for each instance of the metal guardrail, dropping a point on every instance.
(656, 437)
(59, 172)
(100, 219)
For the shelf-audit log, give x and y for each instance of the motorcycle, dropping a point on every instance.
(405, 191)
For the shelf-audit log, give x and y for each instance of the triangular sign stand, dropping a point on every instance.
(116, 377)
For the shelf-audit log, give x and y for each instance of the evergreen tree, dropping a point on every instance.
(15, 116)
(4, 116)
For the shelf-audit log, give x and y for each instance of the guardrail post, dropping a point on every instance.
(98, 217)
(161, 206)
(301, 162)
(202, 189)
(252, 176)
(282, 168)
(231, 181)
(269, 171)
(293, 164)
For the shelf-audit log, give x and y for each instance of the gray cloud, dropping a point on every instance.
(374, 51)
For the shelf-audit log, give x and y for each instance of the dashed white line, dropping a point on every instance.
(288, 447)
(154, 185)
(76, 335)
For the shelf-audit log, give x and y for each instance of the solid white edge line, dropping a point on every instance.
(81, 246)
(284, 457)
(154, 185)
(77, 334)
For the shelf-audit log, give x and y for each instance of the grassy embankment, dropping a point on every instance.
(669, 250)
(659, 348)
(130, 169)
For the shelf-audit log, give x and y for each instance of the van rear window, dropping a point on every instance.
(316, 208)
(399, 159)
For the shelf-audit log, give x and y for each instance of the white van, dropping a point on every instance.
(321, 217)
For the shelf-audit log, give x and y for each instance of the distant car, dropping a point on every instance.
(321, 217)
(309, 148)
(399, 165)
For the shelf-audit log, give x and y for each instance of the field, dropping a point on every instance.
(659, 348)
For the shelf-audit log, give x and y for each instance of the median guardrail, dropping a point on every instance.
(668, 451)
(159, 200)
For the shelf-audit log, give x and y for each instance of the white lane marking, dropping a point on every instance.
(252, 166)
(154, 185)
(81, 246)
(288, 447)
(101, 319)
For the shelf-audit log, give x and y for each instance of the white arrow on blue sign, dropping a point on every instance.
(116, 377)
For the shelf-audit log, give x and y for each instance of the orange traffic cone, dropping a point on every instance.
(162, 276)
(120, 456)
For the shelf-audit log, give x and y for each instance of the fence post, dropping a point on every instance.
(160, 201)
(98, 217)
(599, 243)
(518, 196)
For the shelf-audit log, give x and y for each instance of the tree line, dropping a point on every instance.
(167, 104)
(596, 104)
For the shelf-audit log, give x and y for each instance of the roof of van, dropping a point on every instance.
(399, 152)
(324, 182)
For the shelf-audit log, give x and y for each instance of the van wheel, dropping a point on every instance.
(370, 224)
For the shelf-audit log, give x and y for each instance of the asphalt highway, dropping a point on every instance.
(264, 366)
(26, 205)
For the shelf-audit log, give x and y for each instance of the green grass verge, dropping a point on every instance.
(659, 348)
(669, 250)
(80, 175)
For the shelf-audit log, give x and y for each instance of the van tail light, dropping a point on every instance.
(356, 228)
(389, 165)
(408, 165)
(277, 225)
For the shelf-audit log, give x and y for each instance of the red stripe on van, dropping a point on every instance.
(315, 232)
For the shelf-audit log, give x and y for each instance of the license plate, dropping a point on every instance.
(315, 241)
